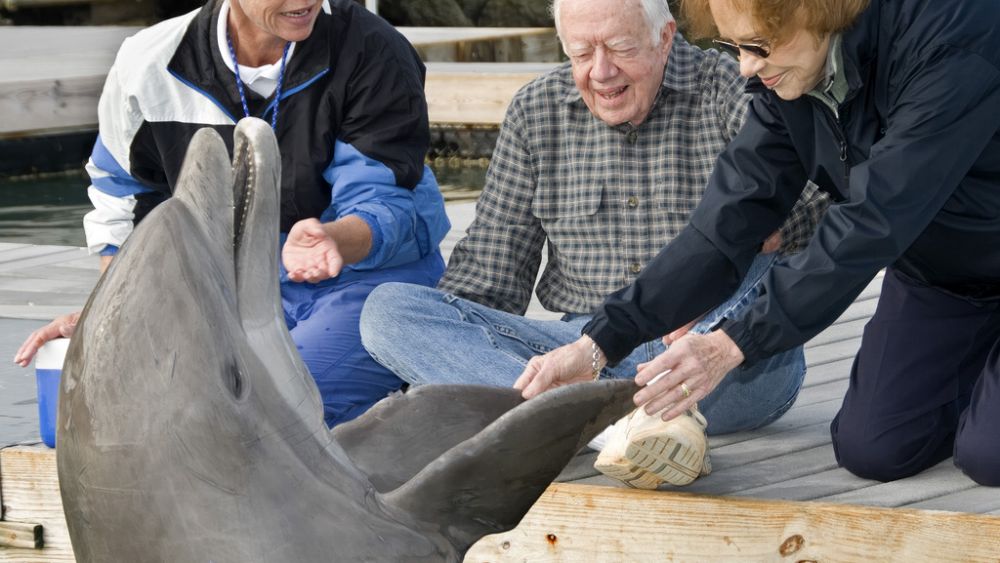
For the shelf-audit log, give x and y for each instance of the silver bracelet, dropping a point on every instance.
(595, 363)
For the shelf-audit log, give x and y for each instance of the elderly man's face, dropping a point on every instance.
(617, 66)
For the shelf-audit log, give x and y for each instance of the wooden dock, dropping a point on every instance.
(776, 494)
(51, 77)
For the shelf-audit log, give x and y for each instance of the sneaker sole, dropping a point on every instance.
(672, 461)
(629, 474)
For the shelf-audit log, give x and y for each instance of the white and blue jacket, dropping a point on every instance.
(352, 129)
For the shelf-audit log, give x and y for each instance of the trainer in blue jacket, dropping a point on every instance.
(344, 93)
(893, 108)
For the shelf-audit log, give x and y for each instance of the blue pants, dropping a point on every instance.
(428, 336)
(925, 385)
(323, 321)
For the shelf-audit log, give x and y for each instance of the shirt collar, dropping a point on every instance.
(249, 74)
(834, 85)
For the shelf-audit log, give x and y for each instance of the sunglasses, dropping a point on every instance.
(761, 50)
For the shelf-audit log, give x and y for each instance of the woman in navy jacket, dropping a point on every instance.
(893, 108)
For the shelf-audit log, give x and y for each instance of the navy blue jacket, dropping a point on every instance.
(912, 164)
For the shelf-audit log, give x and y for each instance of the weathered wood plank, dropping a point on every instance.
(981, 500)
(737, 477)
(51, 77)
(661, 526)
(31, 494)
(34, 255)
(20, 535)
(478, 97)
(810, 487)
(939, 480)
(797, 418)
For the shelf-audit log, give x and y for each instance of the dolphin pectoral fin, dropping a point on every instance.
(486, 484)
(401, 434)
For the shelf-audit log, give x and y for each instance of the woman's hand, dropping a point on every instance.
(572, 363)
(310, 253)
(689, 370)
(62, 326)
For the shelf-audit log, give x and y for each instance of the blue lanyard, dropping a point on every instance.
(239, 81)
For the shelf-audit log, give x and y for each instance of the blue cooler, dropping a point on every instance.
(48, 372)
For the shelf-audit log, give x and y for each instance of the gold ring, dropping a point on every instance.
(684, 388)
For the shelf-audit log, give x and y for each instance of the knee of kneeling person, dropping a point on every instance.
(873, 458)
(981, 464)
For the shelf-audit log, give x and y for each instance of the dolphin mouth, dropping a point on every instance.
(243, 189)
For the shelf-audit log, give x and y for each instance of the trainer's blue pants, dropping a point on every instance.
(323, 321)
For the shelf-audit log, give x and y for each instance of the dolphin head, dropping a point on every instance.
(190, 430)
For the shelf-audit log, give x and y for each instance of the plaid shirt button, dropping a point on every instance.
(633, 201)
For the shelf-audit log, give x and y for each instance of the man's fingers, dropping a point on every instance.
(538, 379)
(526, 376)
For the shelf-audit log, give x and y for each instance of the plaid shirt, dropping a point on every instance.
(606, 199)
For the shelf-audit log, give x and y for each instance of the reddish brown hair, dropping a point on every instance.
(777, 20)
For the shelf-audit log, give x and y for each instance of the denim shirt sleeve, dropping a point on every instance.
(406, 224)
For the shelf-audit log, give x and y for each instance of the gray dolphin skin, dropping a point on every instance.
(190, 430)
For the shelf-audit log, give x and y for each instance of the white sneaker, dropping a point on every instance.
(643, 451)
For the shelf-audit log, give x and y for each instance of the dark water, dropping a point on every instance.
(44, 211)
(50, 210)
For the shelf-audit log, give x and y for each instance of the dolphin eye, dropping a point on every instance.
(233, 381)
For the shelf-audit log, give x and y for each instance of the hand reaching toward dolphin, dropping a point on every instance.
(310, 253)
(60, 327)
(691, 368)
(698, 361)
(572, 363)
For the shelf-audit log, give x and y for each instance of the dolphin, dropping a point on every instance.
(190, 430)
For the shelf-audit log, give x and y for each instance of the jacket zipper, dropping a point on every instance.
(838, 132)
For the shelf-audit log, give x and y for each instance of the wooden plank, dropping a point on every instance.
(797, 418)
(30, 490)
(33, 255)
(983, 500)
(21, 535)
(643, 526)
(944, 478)
(740, 477)
(475, 97)
(819, 374)
(51, 77)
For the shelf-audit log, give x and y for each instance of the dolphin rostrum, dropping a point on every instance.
(190, 430)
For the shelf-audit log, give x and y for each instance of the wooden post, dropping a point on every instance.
(20, 534)
(586, 523)
(30, 490)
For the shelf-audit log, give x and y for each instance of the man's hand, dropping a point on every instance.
(773, 243)
(688, 371)
(310, 253)
(60, 327)
(572, 363)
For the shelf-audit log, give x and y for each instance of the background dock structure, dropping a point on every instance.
(776, 494)
(51, 77)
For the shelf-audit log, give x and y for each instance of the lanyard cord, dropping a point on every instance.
(239, 81)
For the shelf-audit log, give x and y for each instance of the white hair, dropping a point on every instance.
(657, 13)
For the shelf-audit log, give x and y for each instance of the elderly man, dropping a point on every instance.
(603, 158)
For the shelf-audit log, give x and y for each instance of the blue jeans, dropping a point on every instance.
(425, 335)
